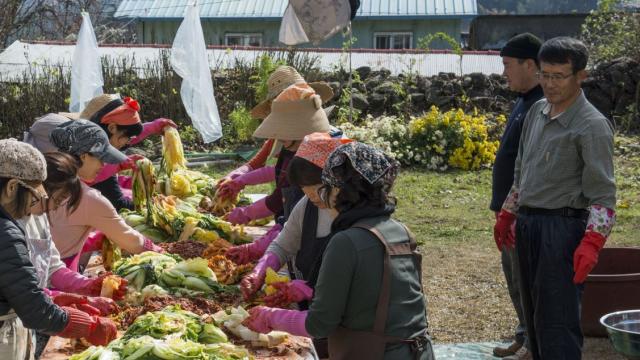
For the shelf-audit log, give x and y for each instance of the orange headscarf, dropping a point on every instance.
(317, 147)
(125, 114)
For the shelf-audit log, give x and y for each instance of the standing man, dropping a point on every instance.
(564, 196)
(520, 60)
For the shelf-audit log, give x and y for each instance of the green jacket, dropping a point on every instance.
(349, 283)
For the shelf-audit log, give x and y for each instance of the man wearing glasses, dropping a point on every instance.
(563, 196)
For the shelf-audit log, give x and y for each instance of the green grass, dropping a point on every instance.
(453, 207)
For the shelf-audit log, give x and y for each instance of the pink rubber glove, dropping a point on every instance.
(73, 282)
(244, 254)
(155, 127)
(264, 319)
(125, 182)
(242, 215)
(253, 281)
(150, 246)
(235, 173)
(231, 188)
(108, 170)
(93, 242)
(289, 292)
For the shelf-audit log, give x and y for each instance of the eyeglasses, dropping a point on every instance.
(552, 77)
(37, 196)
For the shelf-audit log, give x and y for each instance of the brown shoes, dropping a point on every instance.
(521, 354)
(507, 351)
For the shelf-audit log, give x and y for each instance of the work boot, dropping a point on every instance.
(521, 354)
(507, 351)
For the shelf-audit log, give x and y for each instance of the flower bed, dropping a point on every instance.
(438, 140)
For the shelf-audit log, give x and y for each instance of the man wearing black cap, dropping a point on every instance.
(519, 57)
(563, 197)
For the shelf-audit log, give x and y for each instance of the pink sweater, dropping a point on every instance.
(95, 212)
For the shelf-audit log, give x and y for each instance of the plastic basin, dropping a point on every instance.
(613, 285)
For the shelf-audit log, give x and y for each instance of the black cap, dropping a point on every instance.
(522, 46)
(77, 137)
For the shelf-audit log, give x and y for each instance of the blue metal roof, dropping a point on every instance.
(274, 9)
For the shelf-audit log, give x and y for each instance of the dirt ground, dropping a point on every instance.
(468, 299)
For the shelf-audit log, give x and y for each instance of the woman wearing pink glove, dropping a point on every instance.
(282, 78)
(120, 119)
(80, 210)
(305, 234)
(294, 114)
(368, 297)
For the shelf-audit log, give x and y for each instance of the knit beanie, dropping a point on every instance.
(19, 160)
(522, 46)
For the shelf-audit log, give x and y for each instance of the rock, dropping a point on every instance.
(335, 86)
(482, 102)
(423, 83)
(479, 79)
(373, 81)
(417, 98)
(360, 101)
(467, 82)
(376, 102)
(363, 72)
(385, 73)
(387, 87)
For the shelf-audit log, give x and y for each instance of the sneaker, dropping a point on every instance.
(521, 354)
(507, 351)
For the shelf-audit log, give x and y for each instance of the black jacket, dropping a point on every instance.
(505, 162)
(19, 283)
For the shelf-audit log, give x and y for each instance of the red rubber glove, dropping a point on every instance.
(130, 163)
(585, 257)
(104, 330)
(105, 306)
(75, 301)
(504, 230)
(288, 293)
(96, 287)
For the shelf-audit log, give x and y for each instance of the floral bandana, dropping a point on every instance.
(368, 161)
(317, 147)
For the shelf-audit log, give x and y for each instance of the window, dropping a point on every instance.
(393, 40)
(243, 39)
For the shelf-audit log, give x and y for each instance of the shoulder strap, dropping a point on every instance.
(385, 290)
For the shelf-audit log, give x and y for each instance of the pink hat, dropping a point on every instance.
(317, 147)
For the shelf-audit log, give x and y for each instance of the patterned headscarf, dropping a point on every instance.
(371, 163)
(317, 147)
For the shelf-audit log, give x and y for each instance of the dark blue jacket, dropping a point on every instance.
(508, 150)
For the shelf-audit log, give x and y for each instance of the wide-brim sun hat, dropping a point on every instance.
(279, 80)
(294, 119)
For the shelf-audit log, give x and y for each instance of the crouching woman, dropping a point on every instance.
(368, 298)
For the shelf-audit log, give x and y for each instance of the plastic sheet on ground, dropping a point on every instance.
(466, 351)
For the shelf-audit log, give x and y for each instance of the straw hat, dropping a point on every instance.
(294, 119)
(282, 78)
(92, 107)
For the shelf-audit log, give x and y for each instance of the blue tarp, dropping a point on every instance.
(466, 351)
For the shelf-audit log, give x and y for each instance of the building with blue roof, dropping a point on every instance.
(379, 24)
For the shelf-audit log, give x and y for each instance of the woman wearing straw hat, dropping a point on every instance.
(120, 119)
(295, 113)
(23, 304)
(368, 298)
(254, 171)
